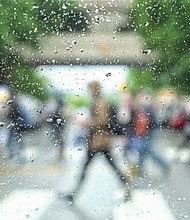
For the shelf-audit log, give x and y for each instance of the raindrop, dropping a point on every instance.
(10, 125)
(59, 120)
(74, 42)
(2, 124)
(35, 6)
(32, 159)
(9, 102)
(146, 52)
(46, 132)
(108, 74)
(19, 140)
(49, 119)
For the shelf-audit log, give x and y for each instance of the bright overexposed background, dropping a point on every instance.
(74, 79)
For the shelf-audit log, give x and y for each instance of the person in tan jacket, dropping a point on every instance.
(99, 137)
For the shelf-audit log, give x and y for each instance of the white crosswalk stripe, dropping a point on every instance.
(145, 205)
(33, 204)
(26, 204)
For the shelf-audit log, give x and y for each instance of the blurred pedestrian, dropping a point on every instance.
(17, 121)
(99, 136)
(185, 107)
(58, 122)
(142, 125)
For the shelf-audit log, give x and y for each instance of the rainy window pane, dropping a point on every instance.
(94, 109)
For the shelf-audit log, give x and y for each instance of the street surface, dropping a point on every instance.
(31, 191)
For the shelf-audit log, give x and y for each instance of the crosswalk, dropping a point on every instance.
(33, 204)
(26, 204)
(145, 205)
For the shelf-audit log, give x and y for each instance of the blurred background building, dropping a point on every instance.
(100, 32)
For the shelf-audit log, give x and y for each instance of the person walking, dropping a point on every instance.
(143, 124)
(99, 137)
(17, 122)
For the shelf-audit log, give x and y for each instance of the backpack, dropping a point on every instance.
(141, 123)
(114, 126)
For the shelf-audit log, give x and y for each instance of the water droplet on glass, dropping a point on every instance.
(59, 120)
(2, 124)
(49, 119)
(146, 52)
(9, 102)
(46, 132)
(108, 74)
(74, 42)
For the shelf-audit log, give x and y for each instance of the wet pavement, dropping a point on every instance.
(44, 177)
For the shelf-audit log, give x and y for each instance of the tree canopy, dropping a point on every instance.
(164, 26)
(23, 23)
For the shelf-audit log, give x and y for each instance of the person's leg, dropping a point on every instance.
(90, 155)
(10, 144)
(185, 142)
(71, 196)
(59, 140)
(141, 144)
(158, 159)
(15, 146)
(149, 151)
(123, 178)
(19, 146)
(142, 156)
(146, 151)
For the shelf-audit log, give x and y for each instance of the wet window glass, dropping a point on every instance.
(94, 109)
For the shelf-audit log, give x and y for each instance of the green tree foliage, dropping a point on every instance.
(53, 14)
(25, 80)
(164, 25)
(23, 22)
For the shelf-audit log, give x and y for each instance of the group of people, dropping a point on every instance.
(135, 113)
(136, 126)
